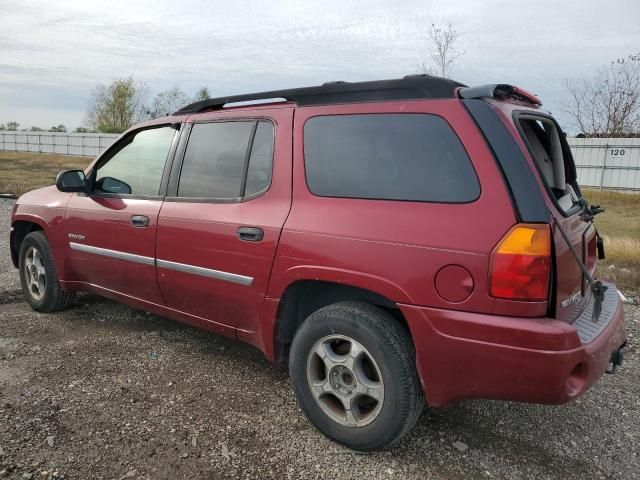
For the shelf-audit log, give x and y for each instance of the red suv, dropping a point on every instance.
(397, 242)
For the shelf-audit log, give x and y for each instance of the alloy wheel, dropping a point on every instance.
(345, 380)
(35, 273)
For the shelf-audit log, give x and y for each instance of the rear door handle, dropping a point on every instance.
(250, 234)
(139, 221)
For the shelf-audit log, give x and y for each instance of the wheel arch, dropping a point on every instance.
(19, 230)
(303, 297)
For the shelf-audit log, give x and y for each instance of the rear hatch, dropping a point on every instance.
(554, 167)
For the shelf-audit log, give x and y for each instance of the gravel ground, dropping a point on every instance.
(105, 391)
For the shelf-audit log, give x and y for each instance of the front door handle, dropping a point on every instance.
(250, 234)
(139, 221)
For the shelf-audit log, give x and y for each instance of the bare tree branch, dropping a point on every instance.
(443, 50)
(608, 104)
(165, 103)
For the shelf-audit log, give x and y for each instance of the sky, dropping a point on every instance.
(52, 54)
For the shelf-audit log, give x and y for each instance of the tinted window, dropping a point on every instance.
(259, 172)
(214, 161)
(137, 167)
(387, 156)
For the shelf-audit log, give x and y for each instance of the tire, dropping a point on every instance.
(356, 354)
(38, 275)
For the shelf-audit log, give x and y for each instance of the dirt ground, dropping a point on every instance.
(106, 391)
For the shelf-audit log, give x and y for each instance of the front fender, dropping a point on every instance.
(21, 224)
(46, 216)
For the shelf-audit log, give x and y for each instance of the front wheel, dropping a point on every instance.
(353, 371)
(38, 275)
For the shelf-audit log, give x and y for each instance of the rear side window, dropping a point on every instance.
(260, 160)
(218, 164)
(413, 157)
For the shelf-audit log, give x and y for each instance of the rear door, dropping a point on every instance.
(552, 158)
(220, 224)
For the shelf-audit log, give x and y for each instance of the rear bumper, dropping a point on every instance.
(463, 355)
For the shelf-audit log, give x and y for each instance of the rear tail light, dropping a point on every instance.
(521, 264)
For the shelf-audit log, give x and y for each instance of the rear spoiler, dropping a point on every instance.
(500, 91)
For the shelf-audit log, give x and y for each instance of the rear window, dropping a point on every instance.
(544, 141)
(413, 157)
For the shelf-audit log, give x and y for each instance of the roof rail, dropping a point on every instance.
(406, 88)
(501, 91)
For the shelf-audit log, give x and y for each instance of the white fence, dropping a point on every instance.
(81, 144)
(611, 163)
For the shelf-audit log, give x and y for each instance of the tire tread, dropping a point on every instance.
(398, 344)
(59, 299)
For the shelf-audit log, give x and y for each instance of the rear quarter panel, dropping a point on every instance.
(395, 248)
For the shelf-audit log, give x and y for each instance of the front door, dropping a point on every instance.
(219, 229)
(112, 230)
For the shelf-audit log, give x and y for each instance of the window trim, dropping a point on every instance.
(110, 152)
(566, 153)
(176, 171)
(473, 167)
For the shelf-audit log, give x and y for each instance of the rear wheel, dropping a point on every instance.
(353, 372)
(38, 275)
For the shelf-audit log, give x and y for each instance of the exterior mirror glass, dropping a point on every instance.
(113, 185)
(71, 181)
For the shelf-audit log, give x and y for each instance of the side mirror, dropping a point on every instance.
(71, 181)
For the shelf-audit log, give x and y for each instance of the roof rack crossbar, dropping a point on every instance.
(342, 92)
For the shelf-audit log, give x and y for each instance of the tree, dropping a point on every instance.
(2, 127)
(83, 130)
(167, 102)
(12, 126)
(59, 128)
(443, 50)
(203, 94)
(36, 129)
(607, 104)
(116, 107)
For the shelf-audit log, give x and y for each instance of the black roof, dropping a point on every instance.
(409, 87)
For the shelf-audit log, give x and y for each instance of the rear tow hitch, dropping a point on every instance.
(617, 356)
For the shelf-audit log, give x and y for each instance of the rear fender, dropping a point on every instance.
(353, 278)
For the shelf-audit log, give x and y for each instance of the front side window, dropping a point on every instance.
(217, 162)
(137, 167)
(412, 157)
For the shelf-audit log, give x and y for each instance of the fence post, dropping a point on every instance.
(604, 164)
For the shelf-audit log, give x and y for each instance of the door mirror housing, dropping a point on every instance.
(71, 181)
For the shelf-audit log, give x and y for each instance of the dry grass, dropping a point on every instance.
(24, 171)
(620, 227)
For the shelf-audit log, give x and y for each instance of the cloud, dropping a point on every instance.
(53, 54)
